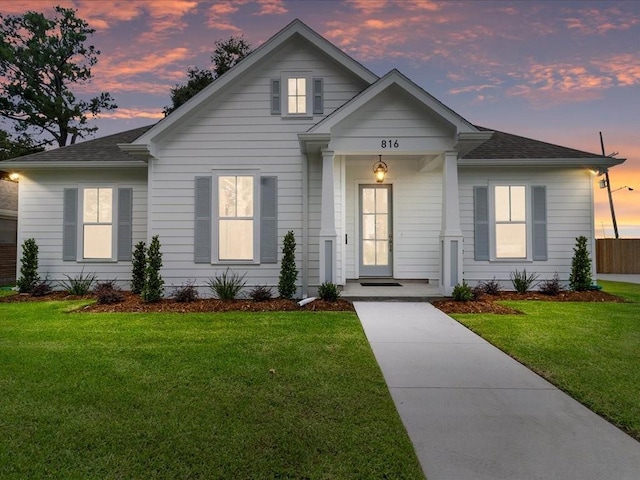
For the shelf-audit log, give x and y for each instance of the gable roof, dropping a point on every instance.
(295, 28)
(103, 151)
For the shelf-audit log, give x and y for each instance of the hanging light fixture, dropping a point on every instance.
(380, 169)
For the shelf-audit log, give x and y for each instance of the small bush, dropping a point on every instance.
(462, 292)
(186, 293)
(522, 281)
(288, 270)
(29, 277)
(328, 292)
(260, 293)
(227, 286)
(490, 287)
(108, 292)
(79, 285)
(580, 278)
(139, 265)
(552, 287)
(153, 282)
(42, 288)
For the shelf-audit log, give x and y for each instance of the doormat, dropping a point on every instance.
(380, 284)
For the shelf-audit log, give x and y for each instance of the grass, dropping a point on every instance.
(183, 396)
(589, 350)
(6, 291)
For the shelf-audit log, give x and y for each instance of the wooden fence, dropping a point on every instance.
(620, 255)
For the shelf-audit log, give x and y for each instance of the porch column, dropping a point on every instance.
(451, 233)
(328, 220)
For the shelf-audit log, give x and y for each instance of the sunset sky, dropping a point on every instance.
(557, 71)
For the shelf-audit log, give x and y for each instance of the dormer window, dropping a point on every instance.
(302, 95)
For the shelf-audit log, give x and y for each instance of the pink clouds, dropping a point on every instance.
(600, 21)
(129, 113)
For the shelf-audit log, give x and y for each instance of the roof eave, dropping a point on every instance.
(593, 163)
(13, 166)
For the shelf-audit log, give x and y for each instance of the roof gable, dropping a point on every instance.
(295, 29)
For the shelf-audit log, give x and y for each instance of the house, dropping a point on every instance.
(288, 140)
(8, 229)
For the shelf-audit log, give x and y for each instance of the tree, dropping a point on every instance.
(29, 277)
(153, 283)
(288, 271)
(580, 277)
(40, 59)
(227, 54)
(11, 148)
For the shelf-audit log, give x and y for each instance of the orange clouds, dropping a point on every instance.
(600, 21)
(129, 113)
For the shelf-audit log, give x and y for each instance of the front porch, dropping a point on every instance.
(379, 290)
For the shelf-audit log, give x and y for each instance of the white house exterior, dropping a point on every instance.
(287, 140)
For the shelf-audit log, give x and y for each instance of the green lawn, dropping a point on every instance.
(589, 350)
(186, 396)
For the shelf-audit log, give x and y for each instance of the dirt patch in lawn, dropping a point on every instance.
(487, 303)
(133, 303)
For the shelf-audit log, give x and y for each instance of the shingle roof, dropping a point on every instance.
(507, 146)
(100, 149)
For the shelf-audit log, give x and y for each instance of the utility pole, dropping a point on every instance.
(606, 177)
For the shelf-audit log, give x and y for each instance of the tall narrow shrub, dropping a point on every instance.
(288, 271)
(139, 265)
(580, 278)
(29, 277)
(153, 282)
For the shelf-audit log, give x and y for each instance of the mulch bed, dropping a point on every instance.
(487, 303)
(133, 303)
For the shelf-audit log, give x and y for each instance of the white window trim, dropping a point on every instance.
(528, 221)
(215, 218)
(114, 223)
(284, 94)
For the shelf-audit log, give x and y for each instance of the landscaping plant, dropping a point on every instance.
(228, 285)
(552, 287)
(288, 271)
(41, 288)
(186, 293)
(28, 266)
(260, 293)
(153, 282)
(462, 292)
(580, 278)
(139, 265)
(108, 292)
(328, 292)
(490, 287)
(78, 285)
(523, 282)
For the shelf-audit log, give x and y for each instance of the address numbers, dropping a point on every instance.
(391, 143)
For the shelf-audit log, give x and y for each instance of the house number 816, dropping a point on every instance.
(389, 143)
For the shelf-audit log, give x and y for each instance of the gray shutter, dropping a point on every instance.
(268, 219)
(275, 97)
(318, 102)
(539, 201)
(202, 234)
(481, 222)
(70, 224)
(125, 223)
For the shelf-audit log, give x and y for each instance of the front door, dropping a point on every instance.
(376, 239)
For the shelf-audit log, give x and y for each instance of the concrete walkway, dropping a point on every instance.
(472, 412)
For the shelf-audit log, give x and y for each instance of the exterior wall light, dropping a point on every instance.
(380, 169)
(14, 177)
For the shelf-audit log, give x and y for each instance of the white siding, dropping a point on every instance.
(40, 217)
(569, 215)
(236, 131)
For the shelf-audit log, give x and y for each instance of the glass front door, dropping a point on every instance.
(376, 238)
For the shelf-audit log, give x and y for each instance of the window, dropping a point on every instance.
(97, 223)
(235, 217)
(296, 95)
(510, 221)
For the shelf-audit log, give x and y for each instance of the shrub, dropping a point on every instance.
(288, 271)
(139, 265)
(78, 285)
(260, 293)
(552, 287)
(29, 277)
(328, 292)
(42, 288)
(108, 292)
(522, 281)
(462, 292)
(580, 278)
(227, 286)
(490, 287)
(186, 293)
(153, 282)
